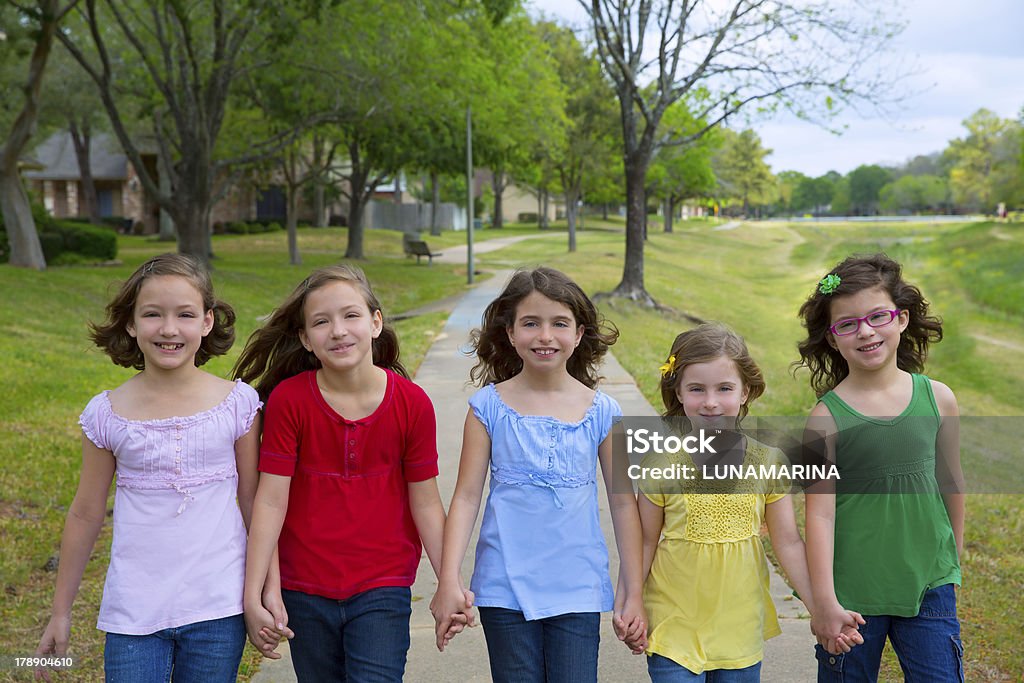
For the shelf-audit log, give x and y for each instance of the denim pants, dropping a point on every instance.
(203, 652)
(928, 646)
(664, 670)
(560, 649)
(362, 639)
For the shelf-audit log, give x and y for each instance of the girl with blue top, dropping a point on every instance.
(885, 540)
(539, 427)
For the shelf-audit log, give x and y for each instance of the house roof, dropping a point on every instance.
(57, 157)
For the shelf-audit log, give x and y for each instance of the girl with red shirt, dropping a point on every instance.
(348, 488)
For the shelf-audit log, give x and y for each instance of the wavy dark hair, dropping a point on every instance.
(497, 359)
(112, 335)
(274, 352)
(704, 344)
(858, 272)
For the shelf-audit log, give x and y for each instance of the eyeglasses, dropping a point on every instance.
(848, 326)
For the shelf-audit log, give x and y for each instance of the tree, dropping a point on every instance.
(178, 65)
(809, 57)
(865, 183)
(37, 26)
(680, 172)
(986, 166)
(741, 169)
(914, 193)
(588, 143)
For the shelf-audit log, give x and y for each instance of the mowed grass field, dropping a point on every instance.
(753, 278)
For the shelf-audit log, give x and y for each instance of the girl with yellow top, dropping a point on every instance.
(706, 590)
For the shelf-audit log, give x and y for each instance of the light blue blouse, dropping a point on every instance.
(541, 550)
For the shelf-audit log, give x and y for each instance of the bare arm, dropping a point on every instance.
(247, 456)
(269, 510)
(652, 521)
(789, 547)
(428, 514)
(462, 514)
(949, 472)
(631, 619)
(81, 527)
(821, 518)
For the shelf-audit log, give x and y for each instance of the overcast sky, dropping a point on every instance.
(970, 54)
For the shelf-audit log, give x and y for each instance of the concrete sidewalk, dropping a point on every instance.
(444, 374)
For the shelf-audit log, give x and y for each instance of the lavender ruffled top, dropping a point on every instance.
(178, 553)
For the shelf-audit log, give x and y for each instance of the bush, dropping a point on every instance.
(527, 217)
(88, 241)
(237, 228)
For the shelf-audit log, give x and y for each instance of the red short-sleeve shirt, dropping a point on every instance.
(349, 527)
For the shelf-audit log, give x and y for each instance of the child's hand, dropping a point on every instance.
(837, 628)
(262, 630)
(54, 641)
(452, 607)
(274, 604)
(630, 625)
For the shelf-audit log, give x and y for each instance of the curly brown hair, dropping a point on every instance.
(858, 272)
(112, 335)
(497, 359)
(703, 344)
(274, 352)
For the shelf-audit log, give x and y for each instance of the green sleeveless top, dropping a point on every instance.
(893, 537)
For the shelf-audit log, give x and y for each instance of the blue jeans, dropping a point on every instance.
(928, 646)
(664, 670)
(362, 639)
(560, 649)
(203, 652)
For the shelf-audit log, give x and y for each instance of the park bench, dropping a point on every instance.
(419, 249)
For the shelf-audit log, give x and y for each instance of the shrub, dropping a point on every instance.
(527, 217)
(237, 228)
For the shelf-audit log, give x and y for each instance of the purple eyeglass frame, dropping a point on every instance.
(894, 312)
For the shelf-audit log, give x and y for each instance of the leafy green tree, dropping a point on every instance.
(590, 137)
(813, 194)
(865, 183)
(914, 194)
(680, 172)
(809, 58)
(741, 169)
(986, 162)
(788, 182)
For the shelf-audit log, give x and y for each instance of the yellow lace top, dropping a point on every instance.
(707, 593)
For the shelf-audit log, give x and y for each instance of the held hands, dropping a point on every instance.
(837, 629)
(452, 608)
(54, 641)
(629, 620)
(266, 623)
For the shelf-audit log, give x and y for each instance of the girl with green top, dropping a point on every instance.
(885, 538)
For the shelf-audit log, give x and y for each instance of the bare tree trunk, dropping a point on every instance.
(292, 210)
(81, 139)
(498, 185)
(435, 203)
(669, 209)
(319, 205)
(632, 284)
(167, 230)
(571, 199)
(21, 227)
(544, 223)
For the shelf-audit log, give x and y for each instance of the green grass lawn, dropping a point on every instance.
(752, 278)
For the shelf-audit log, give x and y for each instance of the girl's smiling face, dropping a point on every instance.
(712, 393)
(339, 327)
(869, 348)
(169, 322)
(545, 332)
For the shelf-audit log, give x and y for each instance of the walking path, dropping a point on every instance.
(444, 374)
